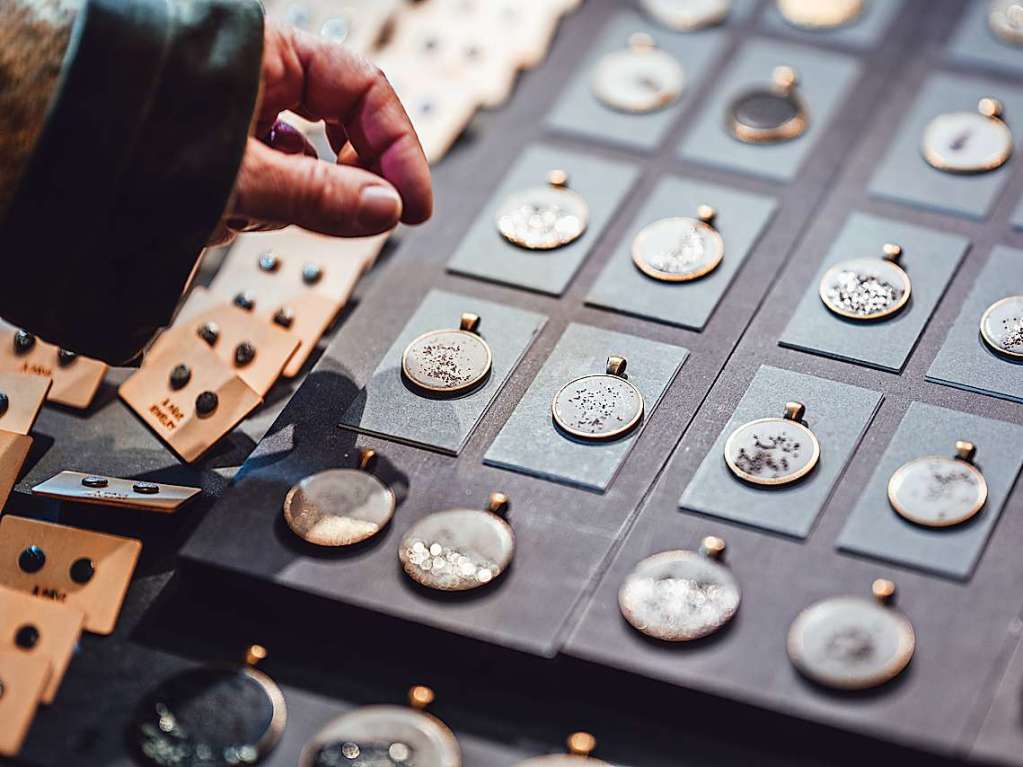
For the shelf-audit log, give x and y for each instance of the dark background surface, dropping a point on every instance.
(506, 703)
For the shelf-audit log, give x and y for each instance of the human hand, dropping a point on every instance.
(381, 175)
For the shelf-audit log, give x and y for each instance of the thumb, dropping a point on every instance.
(336, 200)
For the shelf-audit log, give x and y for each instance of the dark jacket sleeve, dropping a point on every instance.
(132, 170)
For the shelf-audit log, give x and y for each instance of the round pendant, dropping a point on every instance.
(820, 14)
(1001, 327)
(339, 507)
(639, 79)
(599, 407)
(768, 115)
(968, 142)
(687, 15)
(448, 362)
(459, 549)
(211, 717)
(1005, 18)
(773, 451)
(937, 491)
(544, 217)
(580, 746)
(867, 288)
(679, 249)
(852, 643)
(385, 736)
(677, 596)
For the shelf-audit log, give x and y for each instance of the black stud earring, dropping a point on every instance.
(95, 481)
(206, 403)
(284, 317)
(23, 342)
(269, 262)
(5, 402)
(244, 353)
(32, 559)
(244, 300)
(82, 570)
(26, 637)
(209, 332)
(65, 357)
(146, 488)
(180, 376)
(311, 274)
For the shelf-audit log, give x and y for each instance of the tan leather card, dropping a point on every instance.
(23, 679)
(41, 629)
(21, 398)
(13, 452)
(112, 491)
(81, 568)
(76, 379)
(189, 398)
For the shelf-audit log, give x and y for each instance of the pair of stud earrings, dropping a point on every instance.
(24, 342)
(32, 559)
(244, 352)
(97, 482)
(206, 402)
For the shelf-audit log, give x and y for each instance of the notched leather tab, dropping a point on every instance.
(13, 452)
(80, 568)
(76, 379)
(40, 629)
(112, 491)
(23, 679)
(21, 398)
(190, 412)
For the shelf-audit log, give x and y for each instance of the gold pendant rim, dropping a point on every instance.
(462, 388)
(644, 266)
(891, 311)
(899, 475)
(788, 479)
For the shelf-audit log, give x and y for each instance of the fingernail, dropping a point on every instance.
(379, 207)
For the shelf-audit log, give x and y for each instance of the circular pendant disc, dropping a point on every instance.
(210, 717)
(638, 82)
(457, 550)
(383, 736)
(865, 289)
(563, 760)
(338, 507)
(966, 142)
(543, 218)
(447, 361)
(686, 15)
(1003, 23)
(1001, 327)
(764, 116)
(598, 407)
(937, 492)
(678, 249)
(677, 596)
(851, 643)
(820, 14)
(772, 451)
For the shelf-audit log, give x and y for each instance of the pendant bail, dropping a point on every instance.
(254, 654)
(616, 366)
(884, 591)
(558, 179)
(892, 252)
(367, 457)
(991, 108)
(498, 504)
(966, 451)
(470, 322)
(420, 696)
(794, 411)
(641, 42)
(706, 214)
(581, 744)
(713, 547)
(785, 79)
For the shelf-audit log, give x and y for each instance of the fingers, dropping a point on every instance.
(325, 81)
(276, 188)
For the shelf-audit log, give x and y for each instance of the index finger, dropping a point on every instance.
(321, 80)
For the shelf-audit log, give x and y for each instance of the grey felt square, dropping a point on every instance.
(929, 257)
(964, 360)
(825, 79)
(1017, 215)
(866, 31)
(741, 218)
(387, 407)
(579, 111)
(874, 529)
(974, 42)
(529, 442)
(904, 175)
(484, 253)
(838, 414)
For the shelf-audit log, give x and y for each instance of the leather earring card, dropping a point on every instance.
(111, 491)
(21, 399)
(23, 679)
(13, 452)
(76, 379)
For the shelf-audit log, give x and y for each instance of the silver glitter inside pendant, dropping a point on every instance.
(679, 249)
(1001, 327)
(867, 288)
(773, 451)
(599, 407)
(939, 491)
(448, 362)
(639, 79)
(544, 217)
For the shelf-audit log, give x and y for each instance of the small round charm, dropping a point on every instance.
(773, 451)
(602, 406)
(820, 14)
(544, 217)
(388, 736)
(459, 549)
(867, 288)
(1001, 327)
(639, 79)
(687, 15)
(677, 596)
(447, 362)
(968, 142)
(852, 643)
(580, 746)
(769, 115)
(212, 716)
(679, 249)
(1005, 18)
(23, 342)
(269, 261)
(937, 491)
(340, 507)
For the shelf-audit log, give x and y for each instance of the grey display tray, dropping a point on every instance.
(556, 595)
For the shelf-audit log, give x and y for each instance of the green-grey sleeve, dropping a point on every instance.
(132, 170)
